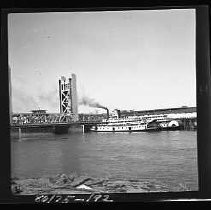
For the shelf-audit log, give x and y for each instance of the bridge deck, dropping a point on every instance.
(53, 124)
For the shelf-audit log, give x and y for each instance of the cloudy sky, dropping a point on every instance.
(122, 59)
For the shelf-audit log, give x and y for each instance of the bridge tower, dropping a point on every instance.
(68, 96)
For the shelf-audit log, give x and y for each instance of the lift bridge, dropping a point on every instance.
(58, 123)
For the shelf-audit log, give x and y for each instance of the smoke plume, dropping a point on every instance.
(91, 102)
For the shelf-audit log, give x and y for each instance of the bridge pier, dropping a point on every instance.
(86, 128)
(19, 133)
(64, 129)
(61, 129)
(83, 130)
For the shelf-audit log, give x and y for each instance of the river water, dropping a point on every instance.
(168, 157)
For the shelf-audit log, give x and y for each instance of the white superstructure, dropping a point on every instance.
(116, 123)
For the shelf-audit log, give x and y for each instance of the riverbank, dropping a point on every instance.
(73, 184)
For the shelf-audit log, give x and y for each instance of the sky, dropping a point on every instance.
(130, 60)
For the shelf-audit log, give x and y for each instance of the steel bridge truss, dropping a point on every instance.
(42, 119)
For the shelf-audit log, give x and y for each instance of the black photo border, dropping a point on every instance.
(203, 86)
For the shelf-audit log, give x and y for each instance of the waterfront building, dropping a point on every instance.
(68, 96)
(39, 112)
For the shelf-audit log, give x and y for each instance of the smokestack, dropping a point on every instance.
(118, 113)
(107, 112)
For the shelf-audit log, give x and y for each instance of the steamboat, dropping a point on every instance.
(116, 123)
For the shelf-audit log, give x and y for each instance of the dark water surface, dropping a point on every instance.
(168, 157)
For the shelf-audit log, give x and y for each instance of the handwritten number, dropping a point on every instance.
(66, 199)
(92, 195)
(97, 197)
(58, 198)
(52, 197)
(38, 198)
(106, 197)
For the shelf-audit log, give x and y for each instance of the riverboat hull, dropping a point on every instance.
(132, 126)
(124, 129)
